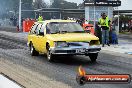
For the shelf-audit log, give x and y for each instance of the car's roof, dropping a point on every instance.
(54, 20)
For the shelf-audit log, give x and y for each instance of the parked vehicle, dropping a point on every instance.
(89, 28)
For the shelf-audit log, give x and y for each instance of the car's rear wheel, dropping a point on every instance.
(93, 57)
(33, 52)
(50, 56)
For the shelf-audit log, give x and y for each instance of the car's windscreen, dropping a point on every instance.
(64, 27)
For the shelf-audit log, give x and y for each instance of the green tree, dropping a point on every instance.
(37, 4)
(63, 4)
(11, 7)
(124, 20)
(81, 6)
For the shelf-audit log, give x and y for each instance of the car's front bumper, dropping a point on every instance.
(75, 50)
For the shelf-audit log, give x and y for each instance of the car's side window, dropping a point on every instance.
(33, 29)
(38, 29)
(48, 29)
(42, 28)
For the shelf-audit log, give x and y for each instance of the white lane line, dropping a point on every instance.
(6, 83)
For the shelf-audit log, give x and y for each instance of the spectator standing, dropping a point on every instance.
(104, 23)
(40, 18)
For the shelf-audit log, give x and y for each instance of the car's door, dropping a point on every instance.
(32, 35)
(36, 41)
(41, 39)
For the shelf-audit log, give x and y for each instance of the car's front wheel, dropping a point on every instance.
(50, 56)
(93, 57)
(33, 52)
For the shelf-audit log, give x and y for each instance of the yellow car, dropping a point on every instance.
(62, 37)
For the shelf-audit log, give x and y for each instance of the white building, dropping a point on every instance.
(94, 8)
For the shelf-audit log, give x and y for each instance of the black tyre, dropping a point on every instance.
(50, 56)
(33, 52)
(93, 57)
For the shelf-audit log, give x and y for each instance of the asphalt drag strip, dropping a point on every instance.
(38, 72)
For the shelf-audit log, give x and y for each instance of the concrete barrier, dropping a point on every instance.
(8, 28)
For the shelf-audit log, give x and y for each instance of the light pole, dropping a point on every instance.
(61, 8)
(118, 21)
(20, 11)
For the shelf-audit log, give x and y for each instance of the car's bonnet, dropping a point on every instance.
(72, 37)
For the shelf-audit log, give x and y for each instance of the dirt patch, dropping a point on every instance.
(27, 78)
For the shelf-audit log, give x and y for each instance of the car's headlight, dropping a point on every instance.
(61, 44)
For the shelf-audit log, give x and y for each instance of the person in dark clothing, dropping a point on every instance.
(98, 32)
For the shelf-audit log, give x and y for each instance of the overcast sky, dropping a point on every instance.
(126, 5)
